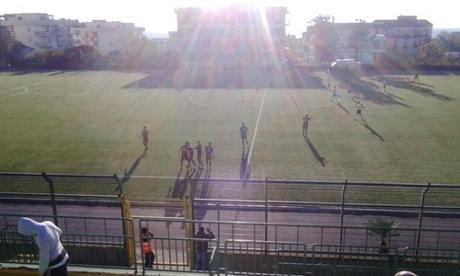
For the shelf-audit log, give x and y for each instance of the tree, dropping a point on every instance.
(445, 40)
(383, 229)
(323, 38)
(431, 53)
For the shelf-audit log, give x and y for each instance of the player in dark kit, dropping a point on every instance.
(359, 110)
(209, 155)
(199, 151)
(306, 119)
(190, 154)
(145, 138)
(184, 154)
(335, 97)
(244, 134)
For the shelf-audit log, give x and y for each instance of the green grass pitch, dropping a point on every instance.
(90, 123)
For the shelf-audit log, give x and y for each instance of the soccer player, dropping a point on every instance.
(244, 134)
(385, 86)
(199, 151)
(335, 97)
(184, 154)
(359, 110)
(306, 119)
(209, 155)
(145, 138)
(190, 154)
(415, 78)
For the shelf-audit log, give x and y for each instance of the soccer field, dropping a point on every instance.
(90, 122)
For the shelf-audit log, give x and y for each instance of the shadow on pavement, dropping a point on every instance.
(205, 191)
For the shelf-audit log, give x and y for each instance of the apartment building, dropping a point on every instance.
(405, 34)
(364, 41)
(106, 36)
(37, 30)
(41, 32)
(356, 40)
(235, 35)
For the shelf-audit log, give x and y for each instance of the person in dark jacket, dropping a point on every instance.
(201, 247)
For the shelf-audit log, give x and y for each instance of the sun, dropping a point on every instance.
(223, 3)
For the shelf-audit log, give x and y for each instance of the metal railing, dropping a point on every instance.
(55, 186)
(173, 250)
(90, 241)
(261, 257)
(238, 247)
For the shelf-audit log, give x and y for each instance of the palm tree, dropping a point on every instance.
(383, 229)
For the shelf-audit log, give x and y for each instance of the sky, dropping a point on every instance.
(157, 16)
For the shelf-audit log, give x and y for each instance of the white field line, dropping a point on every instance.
(257, 127)
(24, 86)
(25, 90)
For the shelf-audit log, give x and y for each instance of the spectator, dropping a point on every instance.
(201, 247)
(147, 247)
(53, 256)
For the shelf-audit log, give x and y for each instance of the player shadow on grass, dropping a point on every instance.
(180, 185)
(368, 127)
(416, 87)
(132, 168)
(245, 169)
(368, 90)
(222, 78)
(179, 189)
(339, 104)
(316, 154)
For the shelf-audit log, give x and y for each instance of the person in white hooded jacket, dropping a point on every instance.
(53, 257)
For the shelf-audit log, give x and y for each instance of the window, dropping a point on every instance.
(19, 17)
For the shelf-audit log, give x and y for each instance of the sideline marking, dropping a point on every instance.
(256, 128)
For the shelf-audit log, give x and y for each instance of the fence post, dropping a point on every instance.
(342, 209)
(190, 230)
(128, 228)
(266, 215)
(53, 198)
(420, 216)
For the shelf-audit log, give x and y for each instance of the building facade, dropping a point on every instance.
(41, 32)
(37, 30)
(106, 37)
(229, 36)
(357, 40)
(405, 34)
(364, 41)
